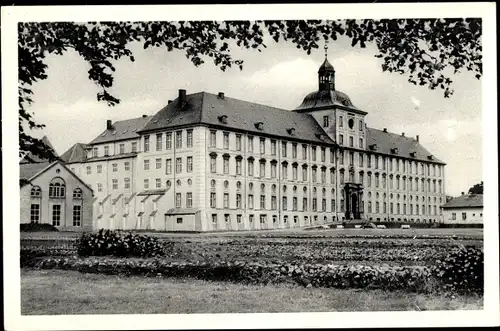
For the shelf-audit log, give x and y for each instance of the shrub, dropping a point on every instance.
(38, 227)
(462, 270)
(107, 242)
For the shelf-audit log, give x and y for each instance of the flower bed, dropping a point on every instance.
(413, 279)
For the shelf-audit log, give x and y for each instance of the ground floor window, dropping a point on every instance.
(56, 215)
(179, 220)
(35, 213)
(77, 215)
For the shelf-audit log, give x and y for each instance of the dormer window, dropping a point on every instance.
(223, 119)
(259, 125)
(373, 147)
(291, 131)
(413, 154)
(320, 136)
(394, 151)
(430, 157)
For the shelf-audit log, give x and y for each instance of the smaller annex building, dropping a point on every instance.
(465, 209)
(51, 193)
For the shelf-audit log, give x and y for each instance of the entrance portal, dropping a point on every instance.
(354, 206)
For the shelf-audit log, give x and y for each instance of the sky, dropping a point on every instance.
(279, 76)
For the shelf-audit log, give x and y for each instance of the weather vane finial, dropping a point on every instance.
(326, 49)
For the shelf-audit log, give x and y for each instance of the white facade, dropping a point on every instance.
(463, 215)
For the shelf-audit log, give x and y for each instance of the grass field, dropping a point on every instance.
(67, 292)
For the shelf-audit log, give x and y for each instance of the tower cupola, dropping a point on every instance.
(326, 75)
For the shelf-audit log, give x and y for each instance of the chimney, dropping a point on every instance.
(144, 116)
(109, 126)
(462, 193)
(182, 97)
(385, 130)
(417, 138)
(169, 101)
(221, 95)
(403, 134)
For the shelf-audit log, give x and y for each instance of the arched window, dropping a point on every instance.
(36, 192)
(57, 188)
(77, 193)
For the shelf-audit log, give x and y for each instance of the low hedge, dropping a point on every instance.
(412, 279)
(38, 227)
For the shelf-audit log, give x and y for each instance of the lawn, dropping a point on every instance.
(67, 292)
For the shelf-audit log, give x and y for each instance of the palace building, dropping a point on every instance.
(209, 162)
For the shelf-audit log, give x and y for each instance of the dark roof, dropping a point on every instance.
(326, 66)
(75, 154)
(207, 108)
(122, 130)
(464, 201)
(326, 98)
(28, 170)
(386, 141)
(111, 157)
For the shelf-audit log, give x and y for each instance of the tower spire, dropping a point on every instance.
(326, 73)
(326, 49)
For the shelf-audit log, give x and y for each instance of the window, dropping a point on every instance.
(238, 166)
(323, 154)
(35, 213)
(106, 150)
(351, 141)
(226, 140)
(325, 121)
(250, 201)
(262, 146)
(294, 150)
(36, 191)
(57, 188)
(262, 169)
(178, 139)
(294, 172)
(134, 147)
(213, 164)
(158, 163)
(77, 215)
(146, 164)
(238, 142)
(179, 220)
(189, 200)
(178, 165)
(360, 142)
(351, 158)
(146, 143)
(464, 216)
(262, 201)
(273, 170)
(360, 160)
(238, 201)
(262, 219)
(284, 170)
(314, 171)
(273, 202)
(376, 161)
(213, 139)
(213, 200)
(250, 167)
(273, 147)
(250, 144)
(127, 166)
(178, 200)
(332, 205)
(146, 183)
(159, 142)
(189, 138)
(369, 206)
(226, 165)
(453, 216)
(377, 207)
(189, 161)
(304, 152)
(361, 178)
(99, 187)
(56, 215)
(158, 183)
(89, 170)
(360, 125)
(331, 155)
(341, 139)
(341, 177)
(315, 204)
(126, 183)
(314, 153)
(238, 219)
(226, 200)
(115, 184)
(168, 139)
(283, 147)
(304, 204)
(214, 218)
(94, 152)
(369, 180)
(168, 166)
(341, 121)
(323, 175)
